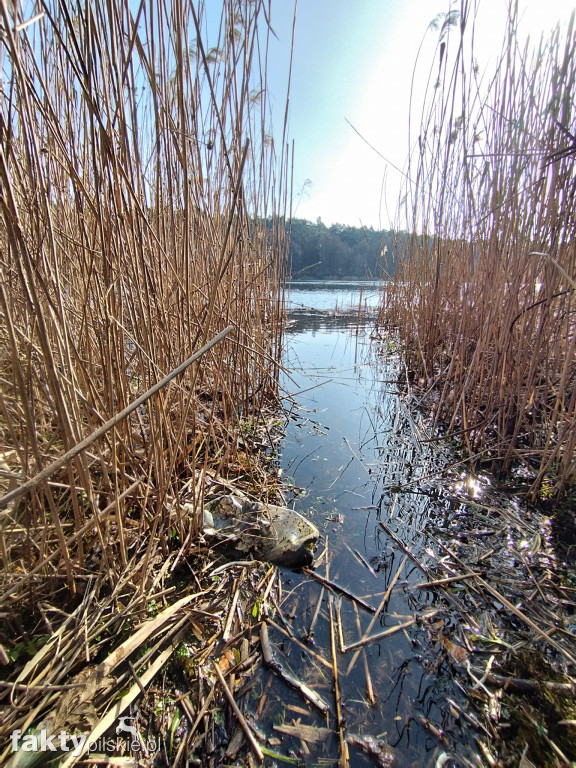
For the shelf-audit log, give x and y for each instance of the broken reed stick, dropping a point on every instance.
(474, 722)
(436, 732)
(536, 584)
(270, 572)
(312, 733)
(264, 698)
(486, 754)
(234, 746)
(316, 612)
(362, 560)
(239, 716)
(404, 548)
(380, 608)
(98, 433)
(441, 582)
(283, 618)
(344, 760)
(337, 588)
(185, 747)
(226, 634)
(311, 696)
(369, 687)
(453, 556)
(337, 601)
(520, 685)
(386, 633)
(202, 711)
(264, 600)
(300, 644)
(265, 646)
(353, 452)
(292, 615)
(135, 677)
(184, 702)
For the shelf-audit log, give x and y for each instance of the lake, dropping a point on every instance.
(354, 458)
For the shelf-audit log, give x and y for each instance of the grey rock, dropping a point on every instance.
(208, 520)
(264, 531)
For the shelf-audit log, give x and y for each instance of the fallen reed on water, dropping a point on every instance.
(483, 291)
(139, 189)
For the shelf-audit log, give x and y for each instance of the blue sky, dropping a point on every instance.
(353, 60)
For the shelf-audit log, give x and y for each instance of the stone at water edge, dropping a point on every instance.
(291, 539)
(267, 532)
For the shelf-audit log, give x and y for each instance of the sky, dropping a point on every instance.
(353, 65)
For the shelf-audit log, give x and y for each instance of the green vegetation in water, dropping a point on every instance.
(537, 719)
(27, 648)
(285, 758)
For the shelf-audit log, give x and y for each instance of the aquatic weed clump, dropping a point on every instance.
(538, 712)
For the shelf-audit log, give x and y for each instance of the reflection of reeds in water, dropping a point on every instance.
(136, 178)
(483, 296)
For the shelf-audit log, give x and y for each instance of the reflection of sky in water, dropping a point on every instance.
(335, 417)
(351, 445)
(327, 296)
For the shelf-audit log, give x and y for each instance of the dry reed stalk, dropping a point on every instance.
(379, 610)
(139, 217)
(344, 757)
(338, 588)
(369, 686)
(483, 290)
(387, 632)
(306, 648)
(254, 746)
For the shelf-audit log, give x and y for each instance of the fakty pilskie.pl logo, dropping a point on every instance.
(41, 741)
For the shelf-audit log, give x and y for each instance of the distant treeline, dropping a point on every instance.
(340, 252)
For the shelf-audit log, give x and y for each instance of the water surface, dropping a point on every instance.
(353, 454)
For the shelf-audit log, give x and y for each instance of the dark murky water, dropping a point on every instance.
(353, 450)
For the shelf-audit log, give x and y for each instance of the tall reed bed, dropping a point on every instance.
(483, 295)
(136, 176)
